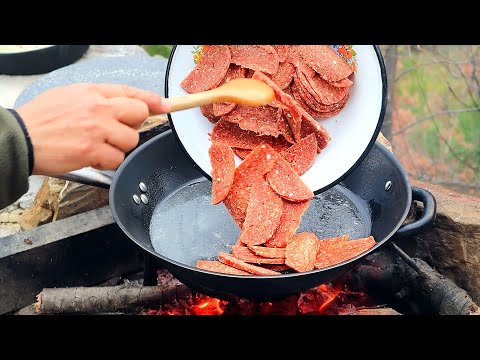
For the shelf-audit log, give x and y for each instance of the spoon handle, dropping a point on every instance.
(192, 100)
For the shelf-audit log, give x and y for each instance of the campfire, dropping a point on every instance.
(388, 282)
(325, 299)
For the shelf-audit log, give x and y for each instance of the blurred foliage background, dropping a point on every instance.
(433, 115)
(162, 50)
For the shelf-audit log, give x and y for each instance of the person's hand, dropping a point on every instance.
(81, 125)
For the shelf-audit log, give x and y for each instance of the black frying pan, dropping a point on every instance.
(162, 202)
(42, 60)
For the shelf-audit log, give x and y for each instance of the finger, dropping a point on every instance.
(131, 112)
(107, 157)
(156, 103)
(121, 136)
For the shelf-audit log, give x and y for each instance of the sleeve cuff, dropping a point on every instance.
(27, 139)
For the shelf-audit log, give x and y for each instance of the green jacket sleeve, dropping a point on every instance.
(14, 162)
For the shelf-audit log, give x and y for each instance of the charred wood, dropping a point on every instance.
(107, 299)
(409, 285)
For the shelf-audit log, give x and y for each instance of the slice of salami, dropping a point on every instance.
(260, 119)
(342, 83)
(231, 260)
(301, 155)
(263, 214)
(301, 82)
(209, 72)
(282, 51)
(217, 266)
(287, 102)
(230, 134)
(327, 243)
(327, 94)
(286, 182)
(249, 73)
(310, 125)
(325, 61)
(256, 57)
(284, 126)
(289, 223)
(242, 153)
(284, 75)
(301, 99)
(312, 100)
(280, 267)
(243, 253)
(305, 97)
(268, 252)
(222, 160)
(207, 111)
(221, 109)
(296, 60)
(336, 251)
(280, 144)
(333, 110)
(260, 161)
(234, 72)
(301, 252)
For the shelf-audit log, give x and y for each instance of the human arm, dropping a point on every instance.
(76, 126)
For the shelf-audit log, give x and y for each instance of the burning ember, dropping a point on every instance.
(326, 299)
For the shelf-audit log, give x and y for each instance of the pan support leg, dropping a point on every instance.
(151, 265)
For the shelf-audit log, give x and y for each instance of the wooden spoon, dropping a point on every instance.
(239, 91)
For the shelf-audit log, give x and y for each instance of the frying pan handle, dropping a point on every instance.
(89, 176)
(427, 218)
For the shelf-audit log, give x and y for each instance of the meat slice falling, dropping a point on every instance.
(261, 160)
(208, 73)
(263, 214)
(301, 155)
(289, 223)
(278, 143)
(286, 182)
(222, 160)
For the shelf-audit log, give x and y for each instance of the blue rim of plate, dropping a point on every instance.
(372, 141)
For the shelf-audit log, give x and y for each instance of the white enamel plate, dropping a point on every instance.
(353, 131)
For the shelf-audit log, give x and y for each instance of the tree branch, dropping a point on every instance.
(416, 67)
(433, 116)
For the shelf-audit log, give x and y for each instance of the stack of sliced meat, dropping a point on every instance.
(304, 252)
(314, 75)
(278, 143)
